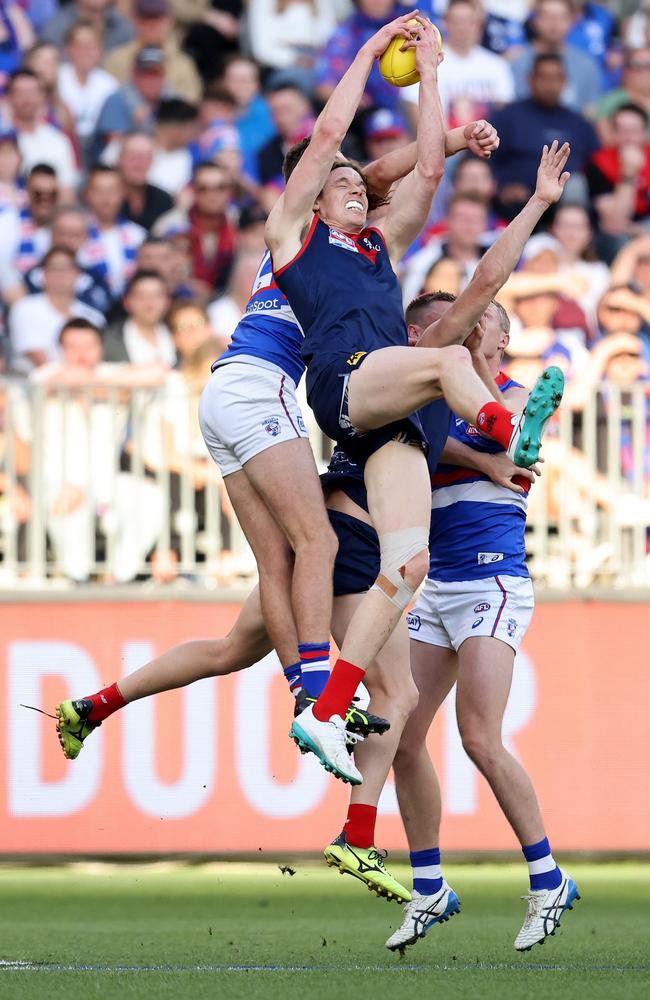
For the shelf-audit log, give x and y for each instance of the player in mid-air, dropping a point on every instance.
(255, 432)
(363, 383)
(466, 627)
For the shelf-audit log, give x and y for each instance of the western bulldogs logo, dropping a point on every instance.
(339, 239)
(414, 622)
(481, 607)
(511, 627)
(272, 426)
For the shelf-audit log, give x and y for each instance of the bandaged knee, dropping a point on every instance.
(397, 550)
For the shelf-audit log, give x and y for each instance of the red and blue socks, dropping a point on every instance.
(427, 873)
(543, 871)
(339, 691)
(293, 674)
(496, 421)
(359, 826)
(104, 703)
(314, 666)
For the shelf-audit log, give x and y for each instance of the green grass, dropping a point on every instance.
(236, 930)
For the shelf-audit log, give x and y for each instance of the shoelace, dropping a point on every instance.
(534, 910)
(378, 856)
(346, 737)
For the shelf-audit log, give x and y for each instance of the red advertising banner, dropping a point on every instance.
(210, 768)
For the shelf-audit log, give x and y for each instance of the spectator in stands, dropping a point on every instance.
(35, 321)
(344, 44)
(43, 58)
(594, 31)
(632, 265)
(464, 242)
(619, 179)
(133, 106)
(583, 273)
(635, 90)
(217, 124)
(25, 233)
(114, 28)
(84, 489)
(445, 276)
(84, 86)
(211, 234)
(38, 141)
(143, 203)
(527, 124)
(636, 30)
(622, 310)
(16, 36)
(160, 255)
(384, 131)
(143, 338)
(504, 31)
(153, 23)
(474, 81)
(226, 311)
(174, 131)
(293, 117)
(113, 241)
(286, 35)
(70, 230)
(551, 24)
(212, 31)
(11, 194)
(240, 76)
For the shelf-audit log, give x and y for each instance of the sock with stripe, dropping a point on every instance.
(315, 666)
(359, 826)
(294, 677)
(427, 873)
(544, 873)
(496, 421)
(104, 703)
(339, 691)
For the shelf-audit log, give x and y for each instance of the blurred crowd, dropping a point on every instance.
(141, 144)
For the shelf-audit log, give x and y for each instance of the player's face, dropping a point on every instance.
(431, 315)
(494, 340)
(343, 201)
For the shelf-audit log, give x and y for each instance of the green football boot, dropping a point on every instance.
(366, 864)
(73, 726)
(546, 396)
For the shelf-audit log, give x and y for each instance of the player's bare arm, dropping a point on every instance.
(292, 212)
(500, 260)
(479, 137)
(411, 202)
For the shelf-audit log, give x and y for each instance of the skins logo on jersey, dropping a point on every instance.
(339, 239)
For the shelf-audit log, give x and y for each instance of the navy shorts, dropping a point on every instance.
(357, 561)
(328, 397)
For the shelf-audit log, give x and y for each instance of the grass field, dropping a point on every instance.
(237, 930)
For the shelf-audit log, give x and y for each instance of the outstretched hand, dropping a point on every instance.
(398, 28)
(503, 472)
(425, 39)
(551, 175)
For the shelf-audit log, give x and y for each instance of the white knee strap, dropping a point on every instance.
(397, 549)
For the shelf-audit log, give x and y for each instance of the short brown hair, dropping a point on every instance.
(295, 153)
(420, 303)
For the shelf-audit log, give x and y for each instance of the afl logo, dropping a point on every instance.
(481, 607)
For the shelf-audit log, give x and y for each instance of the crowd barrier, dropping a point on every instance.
(110, 484)
(210, 768)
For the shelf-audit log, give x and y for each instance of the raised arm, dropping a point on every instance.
(292, 211)
(479, 137)
(411, 202)
(495, 267)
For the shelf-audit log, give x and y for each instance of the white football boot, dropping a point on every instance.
(421, 914)
(327, 740)
(545, 909)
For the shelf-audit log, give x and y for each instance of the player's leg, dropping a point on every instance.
(394, 382)
(484, 681)
(286, 479)
(418, 791)
(246, 643)
(393, 696)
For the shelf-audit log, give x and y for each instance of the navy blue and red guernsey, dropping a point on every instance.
(268, 334)
(347, 299)
(477, 527)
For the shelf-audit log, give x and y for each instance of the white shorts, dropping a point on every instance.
(448, 613)
(245, 409)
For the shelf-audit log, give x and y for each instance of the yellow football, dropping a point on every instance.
(398, 67)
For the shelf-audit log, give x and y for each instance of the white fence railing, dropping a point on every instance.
(106, 484)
